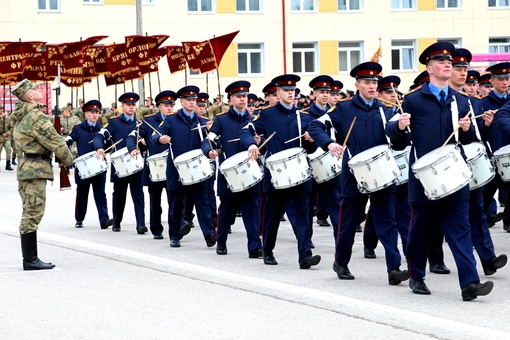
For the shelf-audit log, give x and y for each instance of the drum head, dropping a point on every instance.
(234, 160)
(285, 154)
(188, 155)
(474, 149)
(160, 155)
(363, 156)
(120, 152)
(433, 157)
(502, 151)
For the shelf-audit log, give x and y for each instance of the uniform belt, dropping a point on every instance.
(34, 156)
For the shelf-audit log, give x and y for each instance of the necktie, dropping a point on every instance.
(369, 107)
(442, 100)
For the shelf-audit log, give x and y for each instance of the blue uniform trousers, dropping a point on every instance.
(248, 203)
(352, 210)
(82, 195)
(120, 186)
(198, 194)
(480, 234)
(453, 217)
(155, 193)
(327, 198)
(276, 202)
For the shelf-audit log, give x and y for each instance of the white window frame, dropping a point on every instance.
(413, 7)
(247, 6)
(198, 75)
(447, 6)
(301, 10)
(58, 10)
(148, 2)
(248, 52)
(349, 50)
(413, 57)
(457, 42)
(497, 5)
(93, 2)
(499, 47)
(199, 5)
(303, 51)
(348, 5)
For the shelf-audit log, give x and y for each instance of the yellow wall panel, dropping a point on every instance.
(426, 5)
(225, 6)
(328, 6)
(328, 51)
(228, 66)
(423, 43)
(119, 2)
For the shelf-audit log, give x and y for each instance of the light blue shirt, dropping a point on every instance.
(190, 115)
(435, 91)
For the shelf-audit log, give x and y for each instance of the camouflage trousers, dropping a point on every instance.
(6, 144)
(33, 196)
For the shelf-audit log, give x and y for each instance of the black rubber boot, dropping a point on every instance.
(29, 251)
(13, 161)
(8, 165)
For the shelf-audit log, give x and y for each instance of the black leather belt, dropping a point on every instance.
(34, 156)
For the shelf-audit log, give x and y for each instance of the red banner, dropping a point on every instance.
(117, 59)
(206, 56)
(175, 58)
(97, 55)
(38, 70)
(16, 56)
(114, 80)
(140, 48)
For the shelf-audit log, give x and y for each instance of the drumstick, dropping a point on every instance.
(238, 139)
(399, 106)
(201, 127)
(348, 133)
(209, 140)
(154, 129)
(387, 102)
(453, 133)
(293, 139)
(267, 140)
(111, 146)
(483, 114)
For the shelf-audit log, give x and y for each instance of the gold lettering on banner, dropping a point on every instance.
(120, 56)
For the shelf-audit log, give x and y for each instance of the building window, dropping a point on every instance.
(304, 57)
(350, 5)
(200, 5)
(449, 4)
(349, 55)
(303, 5)
(249, 59)
(403, 4)
(94, 2)
(403, 55)
(498, 45)
(198, 74)
(149, 2)
(249, 5)
(49, 6)
(457, 42)
(499, 3)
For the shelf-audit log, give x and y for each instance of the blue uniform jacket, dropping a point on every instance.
(82, 135)
(367, 132)
(492, 102)
(226, 127)
(501, 123)
(431, 126)
(116, 129)
(284, 121)
(178, 127)
(152, 149)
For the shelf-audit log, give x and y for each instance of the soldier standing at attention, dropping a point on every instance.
(5, 136)
(35, 135)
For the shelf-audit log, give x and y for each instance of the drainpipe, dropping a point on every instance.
(284, 38)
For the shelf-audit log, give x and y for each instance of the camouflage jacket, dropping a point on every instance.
(78, 113)
(5, 127)
(35, 135)
(67, 124)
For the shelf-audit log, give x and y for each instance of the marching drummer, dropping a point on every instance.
(117, 130)
(224, 133)
(429, 112)
(165, 102)
(367, 132)
(83, 134)
(287, 123)
(185, 131)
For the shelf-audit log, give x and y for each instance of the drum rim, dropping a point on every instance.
(302, 151)
(444, 156)
(373, 158)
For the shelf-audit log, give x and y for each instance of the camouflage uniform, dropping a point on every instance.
(79, 114)
(36, 137)
(66, 124)
(5, 140)
(144, 111)
(215, 110)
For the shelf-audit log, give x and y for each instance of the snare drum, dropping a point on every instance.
(288, 168)
(402, 159)
(241, 173)
(480, 165)
(501, 159)
(157, 166)
(374, 169)
(124, 164)
(442, 172)
(193, 167)
(90, 164)
(325, 165)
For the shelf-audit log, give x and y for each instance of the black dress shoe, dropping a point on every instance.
(310, 260)
(358, 228)
(158, 237)
(185, 229)
(106, 224)
(473, 290)
(323, 222)
(312, 246)
(211, 239)
(221, 250)
(115, 227)
(175, 243)
(506, 227)
(344, 273)
(493, 219)
(419, 287)
(335, 266)
(396, 276)
(492, 266)
(370, 253)
(190, 222)
(439, 269)
(282, 219)
(255, 254)
(141, 230)
(270, 260)
(78, 224)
